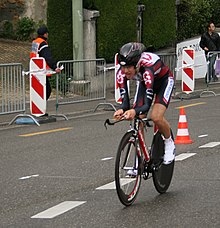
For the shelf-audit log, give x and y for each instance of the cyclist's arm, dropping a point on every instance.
(148, 78)
(123, 88)
(45, 52)
(130, 114)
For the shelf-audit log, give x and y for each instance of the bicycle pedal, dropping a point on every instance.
(157, 166)
(145, 175)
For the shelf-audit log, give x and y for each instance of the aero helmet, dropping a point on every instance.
(130, 54)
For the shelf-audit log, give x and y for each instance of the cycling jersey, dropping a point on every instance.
(153, 77)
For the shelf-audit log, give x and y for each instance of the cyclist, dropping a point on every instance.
(152, 77)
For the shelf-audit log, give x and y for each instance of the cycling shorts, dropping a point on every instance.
(163, 90)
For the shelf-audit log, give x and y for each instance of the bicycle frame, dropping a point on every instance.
(138, 132)
(141, 138)
(134, 161)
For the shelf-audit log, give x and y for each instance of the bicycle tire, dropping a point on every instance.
(162, 174)
(128, 158)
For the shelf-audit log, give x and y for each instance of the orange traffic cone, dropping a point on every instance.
(182, 131)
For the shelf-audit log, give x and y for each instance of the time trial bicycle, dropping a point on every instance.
(134, 161)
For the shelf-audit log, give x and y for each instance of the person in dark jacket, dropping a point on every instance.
(40, 48)
(210, 41)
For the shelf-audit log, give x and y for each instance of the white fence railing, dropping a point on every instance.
(12, 88)
(81, 81)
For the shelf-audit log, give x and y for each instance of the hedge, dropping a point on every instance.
(115, 26)
(59, 22)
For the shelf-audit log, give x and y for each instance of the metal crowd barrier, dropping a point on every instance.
(170, 60)
(213, 71)
(212, 59)
(12, 88)
(81, 81)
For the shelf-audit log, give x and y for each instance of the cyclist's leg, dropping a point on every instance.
(157, 115)
(162, 99)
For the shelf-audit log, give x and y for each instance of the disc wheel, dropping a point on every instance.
(128, 169)
(162, 174)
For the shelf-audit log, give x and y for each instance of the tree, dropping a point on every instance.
(193, 16)
(215, 12)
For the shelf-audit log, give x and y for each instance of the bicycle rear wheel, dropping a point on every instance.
(128, 169)
(162, 174)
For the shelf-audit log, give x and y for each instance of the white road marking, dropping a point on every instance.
(202, 136)
(210, 145)
(58, 209)
(107, 186)
(24, 178)
(108, 158)
(112, 184)
(184, 156)
(27, 177)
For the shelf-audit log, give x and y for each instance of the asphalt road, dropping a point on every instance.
(49, 175)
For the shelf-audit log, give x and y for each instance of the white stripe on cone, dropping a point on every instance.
(182, 119)
(182, 132)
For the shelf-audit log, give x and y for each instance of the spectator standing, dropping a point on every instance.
(40, 48)
(210, 41)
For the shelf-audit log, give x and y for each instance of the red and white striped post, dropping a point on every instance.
(37, 86)
(188, 81)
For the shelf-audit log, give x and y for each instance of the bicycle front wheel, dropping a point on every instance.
(162, 174)
(128, 169)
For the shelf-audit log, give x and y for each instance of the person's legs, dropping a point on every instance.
(207, 72)
(214, 77)
(157, 115)
(48, 88)
(162, 100)
(212, 62)
(211, 69)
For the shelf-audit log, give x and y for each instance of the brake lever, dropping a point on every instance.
(111, 123)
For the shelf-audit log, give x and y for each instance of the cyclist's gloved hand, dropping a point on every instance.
(130, 114)
(118, 114)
